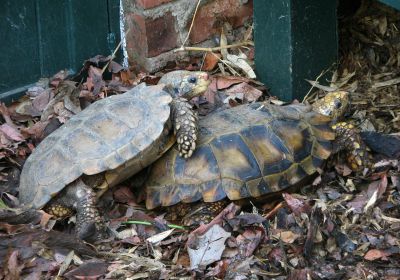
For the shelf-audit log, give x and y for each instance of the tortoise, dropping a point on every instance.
(108, 142)
(250, 151)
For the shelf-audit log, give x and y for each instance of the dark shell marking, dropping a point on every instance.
(246, 151)
(103, 137)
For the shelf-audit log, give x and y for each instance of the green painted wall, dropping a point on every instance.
(294, 40)
(41, 37)
(394, 3)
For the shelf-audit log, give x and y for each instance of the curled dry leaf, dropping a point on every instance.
(11, 132)
(241, 63)
(97, 79)
(209, 247)
(286, 236)
(248, 241)
(89, 270)
(160, 236)
(12, 269)
(35, 131)
(244, 92)
(297, 205)
(375, 254)
(367, 199)
(210, 61)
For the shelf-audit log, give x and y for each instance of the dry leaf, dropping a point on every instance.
(244, 92)
(160, 236)
(210, 61)
(286, 236)
(375, 254)
(11, 132)
(209, 247)
(241, 63)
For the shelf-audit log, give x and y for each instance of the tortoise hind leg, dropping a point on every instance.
(82, 198)
(349, 140)
(185, 126)
(192, 215)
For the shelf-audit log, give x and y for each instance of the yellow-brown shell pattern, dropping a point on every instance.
(246, 151)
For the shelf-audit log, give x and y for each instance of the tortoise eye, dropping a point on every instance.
(338, 104)
(192, 80)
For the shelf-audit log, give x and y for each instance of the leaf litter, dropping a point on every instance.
(339, 227)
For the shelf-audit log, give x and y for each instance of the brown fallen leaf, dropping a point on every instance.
(297, 205)
(223, 82)
(244, 92)
(6, 115)
(12, 269)
(40, 102)
(300, 274)
(89, 270)
(286, 236)
(124, 195)
(375, 254)
(248, 241)
(210, 61)
(35, 131)
(367, 198)
(97, 79)
(67, 94)
(11, 132)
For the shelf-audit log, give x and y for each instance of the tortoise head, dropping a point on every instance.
(334, 104)
(186, 84)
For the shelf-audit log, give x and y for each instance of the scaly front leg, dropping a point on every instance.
(349, 140)
(185, 126)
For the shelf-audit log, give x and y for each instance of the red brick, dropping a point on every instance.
(161, 34)
(147, 4)
(150, 37)
(136, 38)
(205, 24)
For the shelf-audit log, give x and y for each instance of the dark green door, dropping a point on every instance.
(40, 37)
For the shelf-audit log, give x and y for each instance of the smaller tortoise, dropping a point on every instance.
(250, 151)
(107, 143)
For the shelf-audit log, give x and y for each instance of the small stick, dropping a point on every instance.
(237, 45)
(227, 65)
(113, 54)
(274, 210)
(191, 25)
(150, 224)
(312, 87)
(112, 57)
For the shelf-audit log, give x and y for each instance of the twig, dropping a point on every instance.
(227, 65)
(112, 57)
(191, 25)
(150, 224)
(312, 87)
(274, 210)
(237, 45)
(113, 54)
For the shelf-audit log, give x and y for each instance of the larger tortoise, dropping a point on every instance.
(108, 142)
(253, 150)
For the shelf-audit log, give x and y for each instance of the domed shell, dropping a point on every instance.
(246, 151)
(102, 137)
